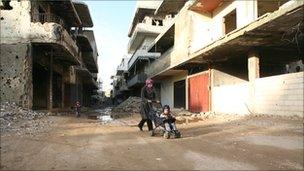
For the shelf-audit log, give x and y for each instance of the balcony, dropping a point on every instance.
(86, 41)
(140, 32)
(50, 29)
(120, 84)
(161, 64)
(87, 76)
(94, 75)
(137, 79)
(140, 54)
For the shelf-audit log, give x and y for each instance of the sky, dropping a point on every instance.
(111, 20)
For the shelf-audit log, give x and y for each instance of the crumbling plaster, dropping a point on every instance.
(16, 27)
(16, 74)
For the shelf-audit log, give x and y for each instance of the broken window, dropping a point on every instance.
(42, 16)
(230, 22)
(6, 5)
(269, 6)
(157, 22)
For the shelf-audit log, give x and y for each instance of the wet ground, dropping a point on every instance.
(248, 143)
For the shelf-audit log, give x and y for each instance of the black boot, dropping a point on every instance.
(140, 128)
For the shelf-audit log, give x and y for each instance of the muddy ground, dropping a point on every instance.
(218, 143)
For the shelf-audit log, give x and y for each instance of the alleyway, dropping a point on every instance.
(242, 143)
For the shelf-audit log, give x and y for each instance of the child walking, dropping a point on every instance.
(77, 109)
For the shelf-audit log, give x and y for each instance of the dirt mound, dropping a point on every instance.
(20, 120)
(132, 104)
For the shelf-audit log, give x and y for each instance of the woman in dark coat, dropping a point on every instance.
(148, 94)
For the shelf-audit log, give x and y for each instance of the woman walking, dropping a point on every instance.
(148, 94)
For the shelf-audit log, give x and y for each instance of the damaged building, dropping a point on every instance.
(48, 54)
(226, 57)
(146, 25)
(232, 57)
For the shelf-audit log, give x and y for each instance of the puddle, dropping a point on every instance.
(105, 118)
(105, 115)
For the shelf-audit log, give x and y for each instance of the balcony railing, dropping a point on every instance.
(64, 37)
(137, 79)
(160, 64)
(139, 54)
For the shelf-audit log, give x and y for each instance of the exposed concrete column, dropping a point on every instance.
(62, 92)
(253, 74)
(50, 91)
(253, 66)
(77, 87)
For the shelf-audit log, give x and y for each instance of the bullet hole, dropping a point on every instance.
(3, 93)
(17, 56)
(2, 18)
(10, 86)
(2, 78)
(8, 81)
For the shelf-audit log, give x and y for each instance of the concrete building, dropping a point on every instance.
(120, 88)
(145, 27)
(47, 57)
(232, 57)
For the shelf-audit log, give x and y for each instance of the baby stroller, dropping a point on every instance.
(156, 110)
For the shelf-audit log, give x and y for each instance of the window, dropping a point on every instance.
(42, 16)
(157, 22)
(6, 5)
(230, 22)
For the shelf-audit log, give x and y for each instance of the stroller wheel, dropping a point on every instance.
(152, 133)
(162, 132)
(167, 135)
(177, 134)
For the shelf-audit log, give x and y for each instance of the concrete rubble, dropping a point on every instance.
(131, 105)
(15, 119)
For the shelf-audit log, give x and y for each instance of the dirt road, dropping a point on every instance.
(245, 143)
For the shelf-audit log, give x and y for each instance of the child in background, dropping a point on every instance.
(77, 109)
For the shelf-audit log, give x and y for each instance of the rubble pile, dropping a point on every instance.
(131, 105)
(15, 119)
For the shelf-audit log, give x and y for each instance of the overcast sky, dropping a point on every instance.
(111, 24)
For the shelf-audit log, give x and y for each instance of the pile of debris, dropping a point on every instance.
(131, 105)
(15, 119)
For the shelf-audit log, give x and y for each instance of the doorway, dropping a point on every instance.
(199, 92)
(180, 94)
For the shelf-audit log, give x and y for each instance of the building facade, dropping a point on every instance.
(232, 57)
(146, 25)
(47, 57)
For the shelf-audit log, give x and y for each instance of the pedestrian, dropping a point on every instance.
(77, 108)
(148, 94)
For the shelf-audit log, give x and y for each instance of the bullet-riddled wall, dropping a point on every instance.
(16, 74)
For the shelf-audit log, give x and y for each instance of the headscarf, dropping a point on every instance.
(149, 87)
